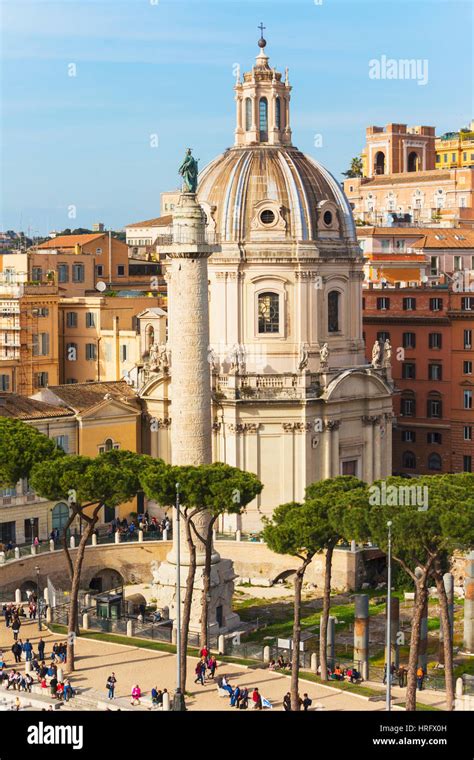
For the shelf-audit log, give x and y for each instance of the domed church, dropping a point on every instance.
(293, 398)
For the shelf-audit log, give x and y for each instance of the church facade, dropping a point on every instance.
(293, 398)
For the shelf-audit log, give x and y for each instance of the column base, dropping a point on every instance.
(221, 616)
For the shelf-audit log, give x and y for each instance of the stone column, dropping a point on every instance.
(368, 423)
(393, 656)
(469, 604)
(335, 448)
(361, 634)
(448, 582)
(326, 452)
(330, 641)
(377, 450)
(422, 653)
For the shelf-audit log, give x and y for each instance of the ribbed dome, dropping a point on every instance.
(235, 186)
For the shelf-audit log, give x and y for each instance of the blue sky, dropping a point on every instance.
(165, 67)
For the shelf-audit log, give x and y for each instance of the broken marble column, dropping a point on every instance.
(469, 604)
(330, 642)
(448, 582)
(393, 656)
(361, 635)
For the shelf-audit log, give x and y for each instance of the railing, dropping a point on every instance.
(189, 236)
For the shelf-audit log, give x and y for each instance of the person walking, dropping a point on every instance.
(199, 671)
(136, 694)
(28, 650)
(287, 702)
(307, 702)
(111, 681)
(17, 650)
(41, 646)
(256, 699)
(212, 666)
(420, 674)
(16, 625)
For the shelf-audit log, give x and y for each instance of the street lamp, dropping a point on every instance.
(32, 524)
(389, 631)
(178, 699)
(38, 600)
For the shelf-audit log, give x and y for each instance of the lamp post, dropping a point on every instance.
(38, 600)
(178, 699)
(32, 524)
(389, 631)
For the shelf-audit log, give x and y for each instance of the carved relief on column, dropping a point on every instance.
(243, 428)
(332, 424)
(296, 427)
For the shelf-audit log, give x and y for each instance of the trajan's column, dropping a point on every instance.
(191, 434)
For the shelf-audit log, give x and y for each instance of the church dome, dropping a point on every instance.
(263, 188)
(269, 192)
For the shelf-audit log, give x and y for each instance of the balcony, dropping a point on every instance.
(272, 387)
(185, 237)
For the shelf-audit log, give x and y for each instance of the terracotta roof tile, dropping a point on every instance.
(24, 408)
(159, 221)
(82, 396)
(69, 241)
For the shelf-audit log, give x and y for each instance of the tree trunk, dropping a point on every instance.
(295, 652)
(206, 583)
(69, 562)
(421, 598)
(323, 621)
(73, 622)
(188, 600)
(447, 639)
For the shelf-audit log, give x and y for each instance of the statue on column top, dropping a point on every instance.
(304, 357)
(376, 354)
(387, 354)
(324, 356)
(189, 172)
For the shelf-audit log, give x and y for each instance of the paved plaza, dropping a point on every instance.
(96, 660)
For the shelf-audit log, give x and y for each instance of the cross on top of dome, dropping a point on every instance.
(262, 42)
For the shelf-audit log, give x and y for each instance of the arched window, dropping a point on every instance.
(434, 462)
(109, 444)
(263, 119)
(333, 311)
(379, 163)
(409, 460)
(60, 516)
(248, 113)
(268, 313)
(278, 113)
(413, 162)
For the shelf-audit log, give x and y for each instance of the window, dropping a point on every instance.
(120, 270)
(436, 304)
(467, 463)
(78, 272)
(98, 251)
(42, 312)
(4, 382)
(434, 408)
(383, 336)
(123, 352)
(409, 304)
(90, 319)
(267, 216)
(71, 318)
(8, 532)
(408, 371)
(99, 270)
(71, 352)
(467, 338)
(408, 406)
(90, 351)
(36, 274)
(434, 265)
(62, 442)
(467, 397)
(349, 467)
(457, 263)
(333, 311)
(434, 462)
(327, 218)
(435, 340)
(41, 344)
(435, 371)
(268, 313)
(248, 113)
(467, 303)
(399, 245)
(409, 460)
(71, 380)
(408, 436)
(263, 119)
(467, 368)
(278, 113)
(434, 438)
(41, 379)
(409, 340)
(63, 273)
(383, 304)
(445, 158)
(467, 433)
(108, 445)
(363, 303)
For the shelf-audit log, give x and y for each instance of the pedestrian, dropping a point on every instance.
(52, 685)
(17, 650)
(243, 699)
(234, 700)
(41, 646)
(307, 702)
(212, 666)
(16, 625)
(111, 681)
(420, 674)
(256, 699)
(136, 694)
(287, 702)
(28, 650)
(199, 670)
(67, 693)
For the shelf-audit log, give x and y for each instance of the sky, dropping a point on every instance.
(100, 98)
